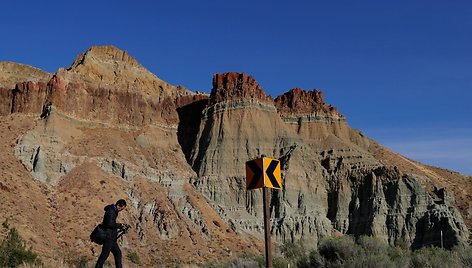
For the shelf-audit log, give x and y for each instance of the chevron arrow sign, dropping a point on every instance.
(263, 172)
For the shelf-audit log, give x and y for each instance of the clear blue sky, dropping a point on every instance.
(401, 71)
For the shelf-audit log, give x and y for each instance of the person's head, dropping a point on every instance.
(121, 204)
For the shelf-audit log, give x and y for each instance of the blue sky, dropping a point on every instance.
(401, 71)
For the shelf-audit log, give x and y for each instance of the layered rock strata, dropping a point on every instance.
(330, 178)
(22, 88)
(107, 127)
(105, 84)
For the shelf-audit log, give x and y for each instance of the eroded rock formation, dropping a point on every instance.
(22, 88)
(332, 183)
(107, 127)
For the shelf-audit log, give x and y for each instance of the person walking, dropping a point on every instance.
(111, 229)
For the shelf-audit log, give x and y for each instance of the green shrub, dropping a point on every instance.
(370, 261)
(339, 250)
(464, 254)
(279, 262)
(400, 256)
(373, 246)
(6, 225)
(134, 258)
(292, 250)
(434, 257)
(363, 252)
(245, 260)
(13, 251)
(378, 253)
(314, 259)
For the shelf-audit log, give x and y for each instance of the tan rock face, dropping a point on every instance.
(12, 73)
(240, 123)
(107, 85)
(107, 128)
(108, 65)
(22, 88)
(331, 182)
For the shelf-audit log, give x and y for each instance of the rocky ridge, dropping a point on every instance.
(106, 85)
(107, 127)
(22, 88)
(12, 73)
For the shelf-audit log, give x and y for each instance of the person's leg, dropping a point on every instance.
(107, 246)
(115, 249)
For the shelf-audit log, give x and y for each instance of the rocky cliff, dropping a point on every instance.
(107, 128)
(106, 85)
(22, 88)
(332, 183)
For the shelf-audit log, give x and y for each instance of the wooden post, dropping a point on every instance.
(442, 244)
(265, 200)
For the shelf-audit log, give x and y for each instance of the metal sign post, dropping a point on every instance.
(268, 251)
(264, 173)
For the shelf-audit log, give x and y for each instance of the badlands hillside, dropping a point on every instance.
(106, 128)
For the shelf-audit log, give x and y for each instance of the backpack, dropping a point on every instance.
(98, 235)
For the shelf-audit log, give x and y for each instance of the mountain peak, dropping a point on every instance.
(108, 65)
(104, 54)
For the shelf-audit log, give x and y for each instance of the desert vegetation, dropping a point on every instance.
(343, 251)
(364, 251)
(13, 251)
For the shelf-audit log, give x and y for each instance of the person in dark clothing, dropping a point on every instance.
(111, 229)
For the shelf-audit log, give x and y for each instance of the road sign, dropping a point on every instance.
(263, 172)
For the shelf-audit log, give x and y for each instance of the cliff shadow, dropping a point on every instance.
(435, 231)
(189, 125)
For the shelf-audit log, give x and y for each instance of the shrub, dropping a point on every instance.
(363, 252)
(314, 259)
(400, 256)
(245, 260)
(378, 253)
(6, 225)
(434, 257)
(13, 251)
(370, 261)
(292, 250)
(134, 258)
(339, 250)
(79, 262)
(373, 246)
(246, 263)
(464, 255)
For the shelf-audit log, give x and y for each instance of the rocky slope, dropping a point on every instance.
(107, 128)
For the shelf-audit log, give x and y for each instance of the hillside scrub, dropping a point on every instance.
(13, 252)
(361, 252)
